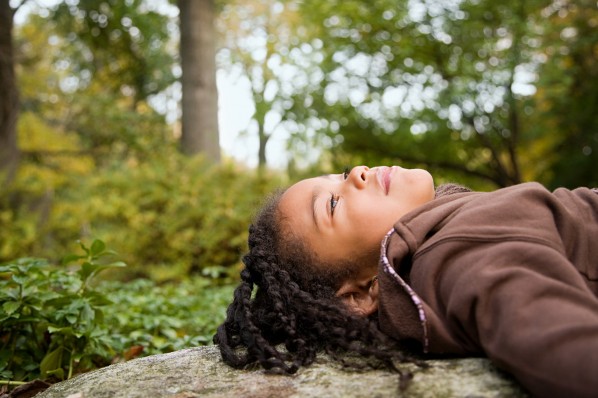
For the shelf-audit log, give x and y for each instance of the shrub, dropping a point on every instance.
(54, 322)
(50, 320)
(168, 217)
(152, 319)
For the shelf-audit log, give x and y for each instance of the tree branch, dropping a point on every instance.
(501, 171)
(452, 166)
(14, 10)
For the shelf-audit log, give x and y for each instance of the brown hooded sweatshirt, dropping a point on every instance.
(510, 274)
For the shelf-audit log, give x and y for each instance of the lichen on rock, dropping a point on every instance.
(199, 372)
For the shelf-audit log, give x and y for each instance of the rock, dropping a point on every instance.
(199, 372)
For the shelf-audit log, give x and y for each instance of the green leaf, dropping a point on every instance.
(97, 299)
(19, 279)
(89, 269)
(116, 264)
(57, 372)
(99, 316)
(86, 270)
(60, 301)
(97, 247)
(6, 374)
(11, 306)
(67, 331)
(6, 268)
(109, 253)
(71, 318)
(51, 362)
(24, 268)
(87, 313)
(69, 258)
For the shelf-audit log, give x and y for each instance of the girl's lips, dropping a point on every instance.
(383, 176)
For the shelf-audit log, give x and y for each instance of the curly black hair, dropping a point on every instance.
(284, 300)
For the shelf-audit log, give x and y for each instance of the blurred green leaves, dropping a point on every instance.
(50, 317)
(54, 323)
(168, 215)
(482, 92)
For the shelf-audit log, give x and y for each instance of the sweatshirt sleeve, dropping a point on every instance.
(527, 308)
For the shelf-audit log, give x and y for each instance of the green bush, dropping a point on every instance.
(164, 318)
(50, 321)
(168, 217)
(54, 323)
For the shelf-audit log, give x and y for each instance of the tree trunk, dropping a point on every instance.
(200, 95)
(9, 98)
(261, 109)
(263, 141)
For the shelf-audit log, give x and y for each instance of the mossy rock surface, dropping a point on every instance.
(199, 372)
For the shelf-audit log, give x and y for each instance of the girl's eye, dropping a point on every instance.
(333, 202)
(346, 173)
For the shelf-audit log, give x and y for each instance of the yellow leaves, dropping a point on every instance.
(166, 217)
(35, 134)
(62, 151)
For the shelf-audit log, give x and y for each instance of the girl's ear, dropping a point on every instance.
(360, 296)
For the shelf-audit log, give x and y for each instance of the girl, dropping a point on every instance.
(510, 274)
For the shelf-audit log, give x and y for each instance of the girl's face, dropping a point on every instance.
(343, 216)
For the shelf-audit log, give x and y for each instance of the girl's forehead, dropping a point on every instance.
(301, 189)
(296, 206)
(295, 195)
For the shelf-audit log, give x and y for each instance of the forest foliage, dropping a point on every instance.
(489, 94)
(55, 322)
(480, 92)
(483, 93)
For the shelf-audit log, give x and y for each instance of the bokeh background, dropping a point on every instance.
(157, 127)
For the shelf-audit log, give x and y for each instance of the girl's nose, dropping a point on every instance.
(358, 176)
